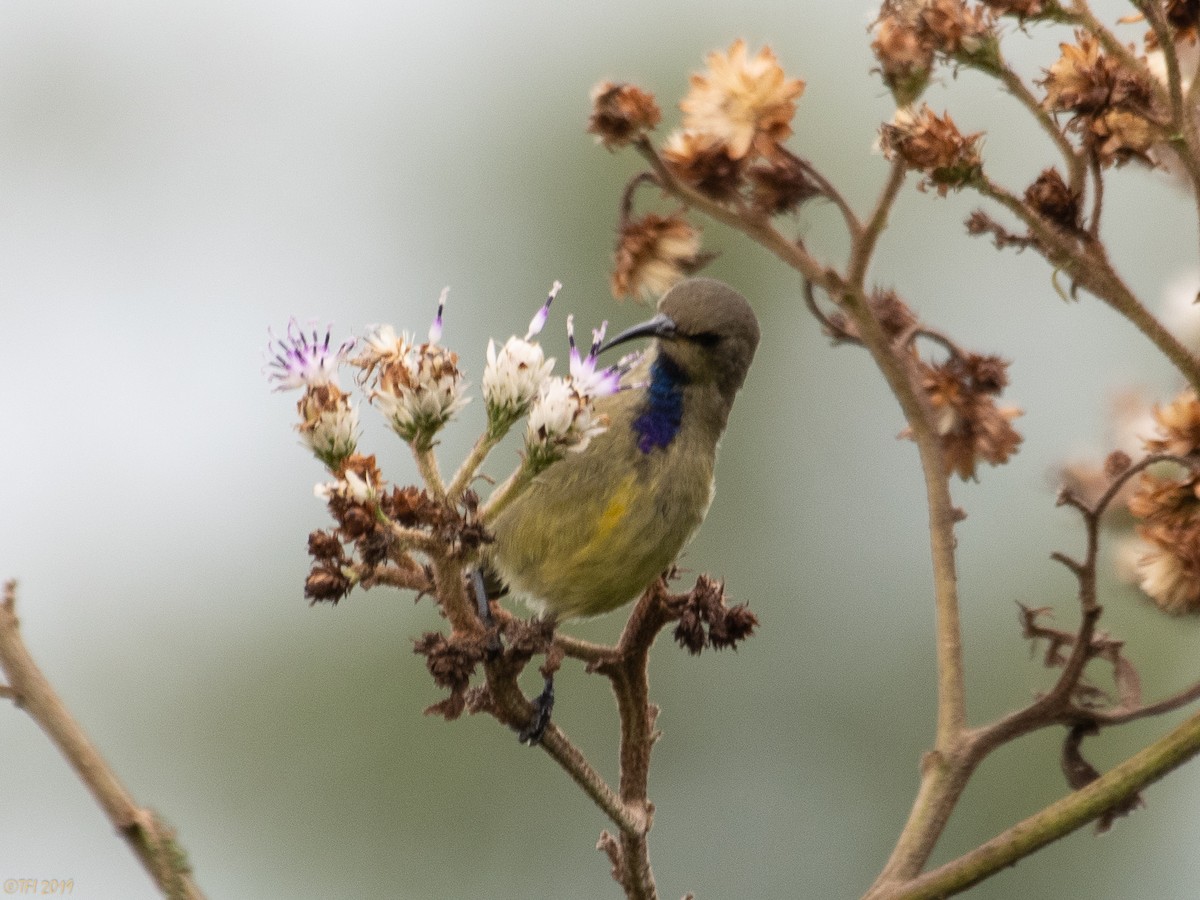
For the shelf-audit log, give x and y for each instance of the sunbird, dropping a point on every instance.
(600, 525)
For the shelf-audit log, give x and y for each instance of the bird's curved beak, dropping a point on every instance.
(661, 326)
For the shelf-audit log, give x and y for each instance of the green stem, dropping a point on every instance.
(428, 467)
(506, 493)
(470, 466)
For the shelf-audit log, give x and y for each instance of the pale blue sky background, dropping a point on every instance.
(176, 178)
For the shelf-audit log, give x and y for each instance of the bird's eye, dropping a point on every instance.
(707, 338)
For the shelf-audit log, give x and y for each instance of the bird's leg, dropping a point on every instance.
(543, 706)
(494, 647)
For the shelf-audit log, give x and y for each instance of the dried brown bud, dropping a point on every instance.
(779, 185)
(893, 314)
(955, 27)
(905, 53)
(934, 146)
(451, 660)
(326, 583)
(1052, 199)
(325, 545)
(1117, 464)
(1111, 106)
(972, 428)
(703, 163)
(621, 113)
(410, 506)
(706, 621)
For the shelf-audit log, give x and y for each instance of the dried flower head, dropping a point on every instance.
(1169, 571)
(934, 146)
(653, 252)
(418, 388)
(621, 113)
(1110, 106)
(1053, 200)
(780, 184)
(704, 163)
(742, 102)
(905, 52)
(962, 392)
(1179, 426)
(956, 29)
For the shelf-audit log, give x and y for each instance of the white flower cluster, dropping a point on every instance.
(517, 382)
(419, 388)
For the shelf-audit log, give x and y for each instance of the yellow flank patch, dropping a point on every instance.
(610, 519)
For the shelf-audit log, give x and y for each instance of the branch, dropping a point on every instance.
(151, 840)
(1058, 820)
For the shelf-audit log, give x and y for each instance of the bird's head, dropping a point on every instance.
(706, 328)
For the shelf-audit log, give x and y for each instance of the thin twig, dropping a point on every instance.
(153, 842)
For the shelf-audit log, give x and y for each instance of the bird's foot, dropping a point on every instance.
(543, 706)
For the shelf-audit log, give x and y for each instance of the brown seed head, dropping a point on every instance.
(1051, 197)
(621, 113)
(704, 163)
(653, 252)
(780, 184)
(1179, 426)
(934, 146)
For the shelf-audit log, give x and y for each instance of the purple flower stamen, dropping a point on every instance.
(435, 330)
(538, 322)
(304, 361)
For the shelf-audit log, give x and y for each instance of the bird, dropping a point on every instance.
(597, 527)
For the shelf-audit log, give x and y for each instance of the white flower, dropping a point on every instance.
(512, 378)
(562, 419)
(418, 388)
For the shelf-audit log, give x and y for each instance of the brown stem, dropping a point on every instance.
(148, 837)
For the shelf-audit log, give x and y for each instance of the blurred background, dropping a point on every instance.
(176, 178)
